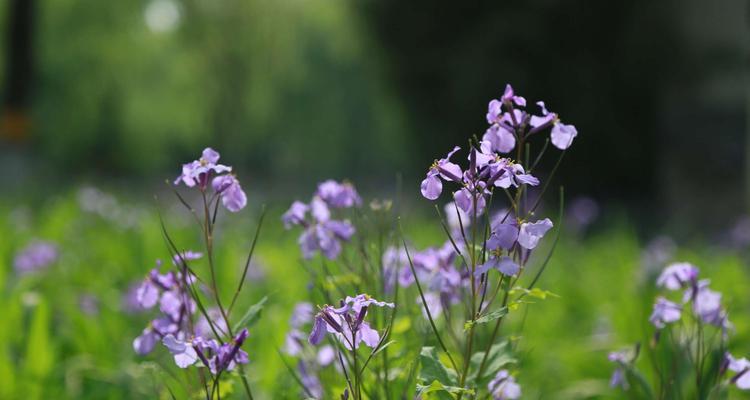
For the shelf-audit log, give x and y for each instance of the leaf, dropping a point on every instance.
(436, 387)
(498, 357)
(535, 292)
(251, 315)
(433, 369)
(489, 317)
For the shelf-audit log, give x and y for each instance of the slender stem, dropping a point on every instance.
(249, 258)
(424, 302)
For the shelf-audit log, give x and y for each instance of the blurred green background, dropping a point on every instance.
(117, 94)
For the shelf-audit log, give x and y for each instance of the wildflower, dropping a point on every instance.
(500, 139)
(432, 186)
(583, 211)
(665, 312)
(504, 264)
(504, 387)
(309, 380)
(198, 172)
(531, 233)
(326, 237)
(347, 322)
(36, 256)
(512, 174)
(742, 367)
(619, 377)
(433, 302)
(338, 195)
(188, 255)
(562, 135)
(395, 261)
(503, 236)
(183, 351)
(509, 97)
(232, 196)
(456, 217)
(677, 275)
(295, 215)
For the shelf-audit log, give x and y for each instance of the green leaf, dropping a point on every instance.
(433, 369)
(251, 315)
(498, 357)
(436, 387)
(489, 317)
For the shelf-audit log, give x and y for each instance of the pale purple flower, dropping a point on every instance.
(503, 236)
(658, 252)
(621, 358)
(183, 351)
(310, 381)
(740, 232)
(466, 197)
(319, 209)
(145, 343)
(512, 174)
(37, 256)
(677, 275)
(510, 97)
(500, 139)
(547, 117)
(187, 255)
(456, 217)
(293, 342)
(504, 264)
(295, 215)
(742, 367)
(233, 198)
(395, 262)
(198, 172)
(531, 233)
(338, 195)
(301, 314)
(432, 185)
(583, 211)
(203, 326)
(562, 135)
(325, 237)
(347, 322)
(504, 387)
(665, 312)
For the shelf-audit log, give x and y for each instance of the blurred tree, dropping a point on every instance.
(14, 119)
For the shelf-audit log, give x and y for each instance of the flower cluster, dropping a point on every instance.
(505, 236)
(35, 257)
(321, 232)
(705, 303)
(223, 182)
(347, 322)
(176, 307)
(509, 122)
(216, 357)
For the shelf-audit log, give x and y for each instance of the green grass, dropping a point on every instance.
(49, 348)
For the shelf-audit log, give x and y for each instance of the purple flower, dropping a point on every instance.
(434, 304)
(295, 215)
(456, 217)
(325, 237)
(618, 376)
(301, 314)
(510, 97)
(741, 366)
(432, 186)
(677, 275)
(187, 255)
(532, 232)
(203, 326)
(500, 139)
(547, 117)
(503, 236)
(504, 264)
(347, 322)
(583, 211)
(395, 262)
(199, 171)
(232, 196)
(36, 256)
(504, 387)
(325, 356)
(310, 381)
(293, 342)
(665, 312)
(183, 351)
(562, 135)
(511, 174)
(338, 195)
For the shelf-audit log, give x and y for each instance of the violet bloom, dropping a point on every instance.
(509, 97)
(619, 377)
(325, 237)
(665, 312)
(513, 175)
(35, 257)
(325, 355)
(203, 325)
(187, 255)
(434, 303)
(198, 172)
(504, 387)
(531, 233)
(677, 275)
(562, 135)
(456, 217)
(466, 197)
(503, 236)
(232, 196)
(339, 195)
(395, 262)
(742, 367)
(182, 350)
(347, 322)
(501, 139)
(309, 380)
(295, 215)
(583, 211)
(432, 185)
(504, 264)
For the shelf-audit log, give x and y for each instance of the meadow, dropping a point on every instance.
(68, 330)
